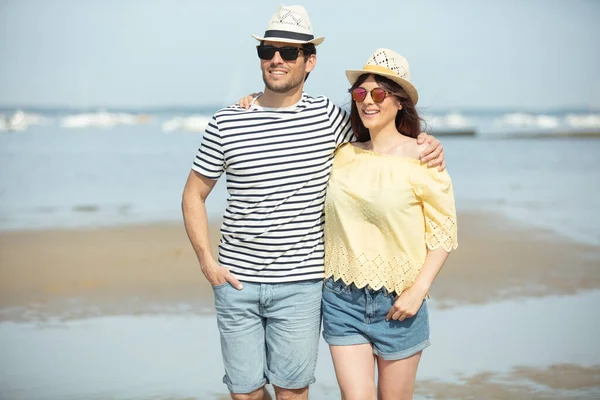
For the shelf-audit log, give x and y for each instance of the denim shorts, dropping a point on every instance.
(357, 316)
(269, 333)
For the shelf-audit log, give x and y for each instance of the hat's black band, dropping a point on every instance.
(288, 35)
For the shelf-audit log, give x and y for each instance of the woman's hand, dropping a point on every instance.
(433, 155)
(246, 102)
(407, 304)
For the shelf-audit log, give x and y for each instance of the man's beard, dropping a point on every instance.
(282, 87)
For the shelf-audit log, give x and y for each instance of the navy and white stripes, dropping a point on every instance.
(277, 164)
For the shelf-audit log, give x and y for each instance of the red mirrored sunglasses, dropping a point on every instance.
(378, 94)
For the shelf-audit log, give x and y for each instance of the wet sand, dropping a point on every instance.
(149, 269)
(132, 300)
(483, 351)
(556, 382)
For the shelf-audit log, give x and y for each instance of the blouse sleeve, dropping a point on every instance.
(437, 197)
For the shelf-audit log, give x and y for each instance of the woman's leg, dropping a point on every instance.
(355, 371)
(397, 377)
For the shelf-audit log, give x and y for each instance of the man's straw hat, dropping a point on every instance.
(290, 24)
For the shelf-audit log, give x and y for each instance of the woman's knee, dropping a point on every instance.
(366, 393)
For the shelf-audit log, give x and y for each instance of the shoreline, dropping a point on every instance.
(149, 269)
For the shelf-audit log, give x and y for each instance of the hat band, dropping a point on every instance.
(380, 69)
(288, 35)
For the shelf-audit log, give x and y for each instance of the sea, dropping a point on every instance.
(72, 169)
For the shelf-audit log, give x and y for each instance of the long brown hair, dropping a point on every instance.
(408, 122)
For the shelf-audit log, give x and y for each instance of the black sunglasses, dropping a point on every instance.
(287, 53)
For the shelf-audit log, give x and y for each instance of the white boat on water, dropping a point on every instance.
(103, 119)
(20, 121)
(192, 123)
(523, 120)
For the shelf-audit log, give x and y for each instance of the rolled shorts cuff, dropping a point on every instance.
(399, 355)
(243, 389)
(345, 340)
(288, 384)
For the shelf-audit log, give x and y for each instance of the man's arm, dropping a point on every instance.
(433, 154)
(193, 205)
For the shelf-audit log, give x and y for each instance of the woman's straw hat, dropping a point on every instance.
(390, 64)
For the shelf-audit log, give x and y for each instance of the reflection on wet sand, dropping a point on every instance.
(557, 382)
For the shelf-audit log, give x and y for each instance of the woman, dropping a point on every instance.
(390, 223)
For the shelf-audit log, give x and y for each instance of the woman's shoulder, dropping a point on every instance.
(343, 152)
(410, 149)
(361, 145)
(350, 147)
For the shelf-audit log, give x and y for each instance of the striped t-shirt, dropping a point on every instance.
(277, 164)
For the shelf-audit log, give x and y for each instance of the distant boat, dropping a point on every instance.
(103, 119)
(451, 124)
(20, 121)
(524, 120)
(193, 123)
(17, 122)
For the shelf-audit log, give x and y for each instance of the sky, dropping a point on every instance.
(511, 54)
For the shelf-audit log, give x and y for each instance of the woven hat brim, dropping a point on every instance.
(411, 91)
(315, 41)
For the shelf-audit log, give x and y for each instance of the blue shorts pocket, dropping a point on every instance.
(221, 286)
(336, 287)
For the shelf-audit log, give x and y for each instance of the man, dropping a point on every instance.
(277, 157)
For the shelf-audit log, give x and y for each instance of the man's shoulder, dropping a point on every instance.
(316, 100)
(321, 97)
(324, 101)
(230, 111)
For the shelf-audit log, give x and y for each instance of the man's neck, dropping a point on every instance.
(272, 99)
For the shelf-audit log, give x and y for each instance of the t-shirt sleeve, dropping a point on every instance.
(340, 124)
(437, 196)
(210, 159)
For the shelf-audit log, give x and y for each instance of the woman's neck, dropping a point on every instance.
(382, 140)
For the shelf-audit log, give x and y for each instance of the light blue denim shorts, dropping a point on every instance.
(269, 333)
(356, 316)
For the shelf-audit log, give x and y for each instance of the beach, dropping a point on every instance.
(103, 109)
(152, 268)
(124, 278)
(101, 295)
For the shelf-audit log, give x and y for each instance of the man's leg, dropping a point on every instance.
(242, 332)
(259, 394)
(293, 312)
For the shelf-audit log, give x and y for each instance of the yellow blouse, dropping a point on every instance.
(382, 213)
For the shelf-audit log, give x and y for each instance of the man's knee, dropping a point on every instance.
(258, 394)
(291, 394)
